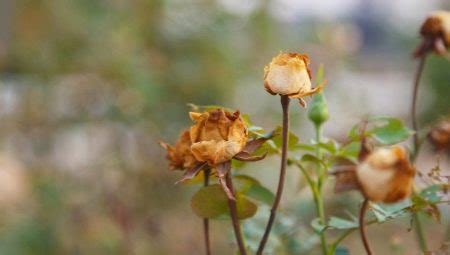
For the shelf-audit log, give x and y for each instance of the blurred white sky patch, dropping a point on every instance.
(389, 96)
(240, 7)
(290, 10)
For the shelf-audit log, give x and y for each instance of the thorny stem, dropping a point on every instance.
(234, 217)
(362, 226)
(318, 193)
(285, 137)
(416, 219)
(205, 220)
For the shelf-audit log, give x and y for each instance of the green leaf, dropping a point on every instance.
(211, 202)
(384, 212)
(245, 208)
(320, 75)
(350, 150)
(277, 139)
(253, 189)
(305, 147)
(340, 223)
(330, 146)
(318, 226)
(243, 182)
(261, 194)
(341, 250)
(430, 193)
(312, 159)
(392, 132)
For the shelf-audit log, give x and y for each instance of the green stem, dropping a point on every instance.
(318, 198)
(420, 233)
(317, 192)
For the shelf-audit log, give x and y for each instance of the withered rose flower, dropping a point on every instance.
(288, 74)
(386, 175)
(217, 136)
(180, 156)
(436, 33)
(439, 136)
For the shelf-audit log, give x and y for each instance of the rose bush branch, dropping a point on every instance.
(362, 226)
(286, 75)
(216, 138)
(206, 220)
(234, 217)
(435, 33)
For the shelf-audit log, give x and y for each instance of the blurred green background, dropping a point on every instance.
(88, 88)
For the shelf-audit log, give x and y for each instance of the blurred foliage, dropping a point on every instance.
(89, 87)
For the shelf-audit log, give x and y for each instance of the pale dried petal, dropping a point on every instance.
(180, 156)
(386, 175)
(217, 136)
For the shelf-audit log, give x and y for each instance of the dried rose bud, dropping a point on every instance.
(217, 136)
(439, 136)
(436, 33)
(386, 175)
(180, 156)
(288, 74)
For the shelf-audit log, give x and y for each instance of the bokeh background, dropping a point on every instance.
(88, 88)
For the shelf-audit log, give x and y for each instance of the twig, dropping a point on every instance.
(414, 105)
(206, 220)
(234, 217)
(362, 226)
(416, 219)
(285, 137)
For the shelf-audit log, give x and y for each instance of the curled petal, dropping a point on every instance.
(222, 170)
(244, 156)
(302, 102)
(225, 188)
(439, 47)
(310, 92)
(191, 173)
(254, 145)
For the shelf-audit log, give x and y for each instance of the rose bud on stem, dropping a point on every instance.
(435, 32)
(381, 175)
(288, 76)
(439, 136)
(217, 137)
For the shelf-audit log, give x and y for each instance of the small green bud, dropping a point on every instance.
(318, 110)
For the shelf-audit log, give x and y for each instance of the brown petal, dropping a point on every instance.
(245, 156)
(302, 102)
(191, 173)
(346, 178)
(225, 188)
(254, 145)
(439, 47)
(222, 170)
